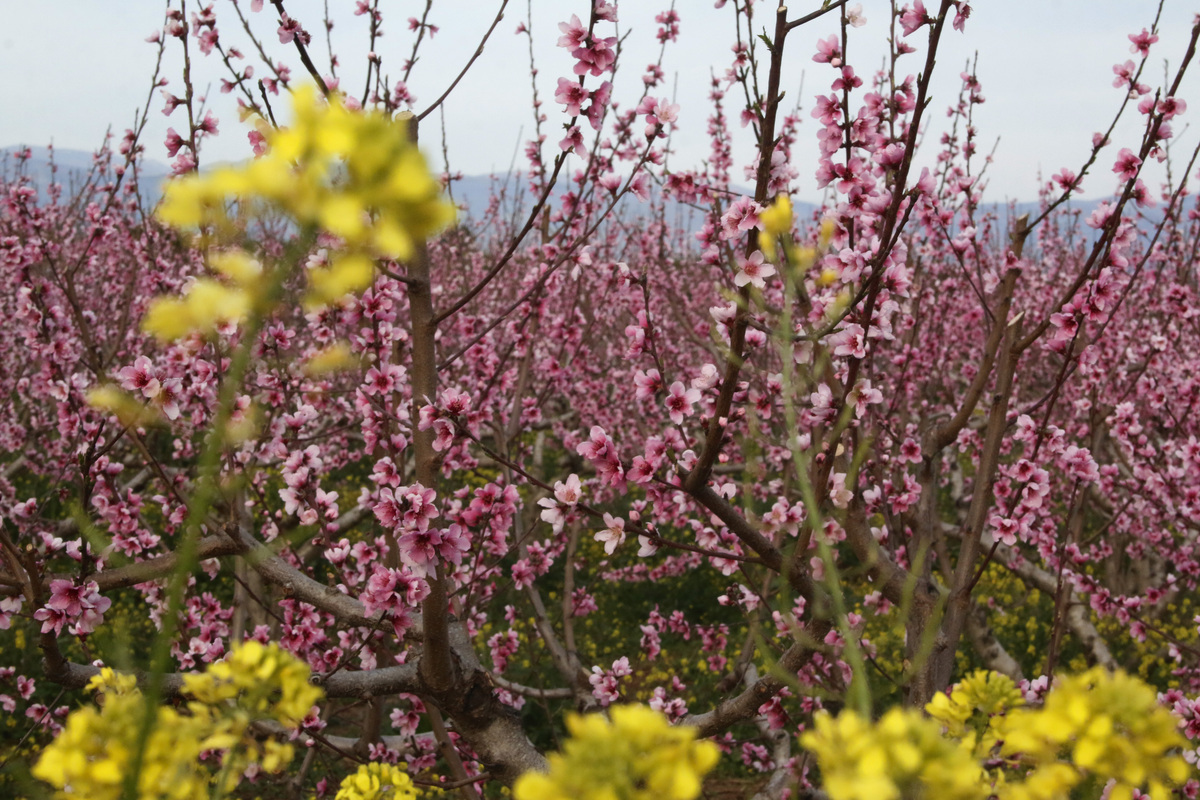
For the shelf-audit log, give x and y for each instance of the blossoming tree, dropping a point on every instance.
(476, 473)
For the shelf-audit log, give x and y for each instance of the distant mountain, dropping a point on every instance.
(71, 169)
(474, 192)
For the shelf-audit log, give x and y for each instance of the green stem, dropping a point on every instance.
(203, 499)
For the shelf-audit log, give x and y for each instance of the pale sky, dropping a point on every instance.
(72, 68)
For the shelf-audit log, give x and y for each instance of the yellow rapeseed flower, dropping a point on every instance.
(1107, 725)
(633, 754)
(206, 305)
(377, 782)
(336, 357)
(238, 266)
(113, 400)
(981, 699)
(264, 680)
(776, 221)
(353, 174)
(93, 754)
(892, 758)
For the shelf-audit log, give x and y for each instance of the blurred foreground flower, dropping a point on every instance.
(634, 754)
(95, 751)
(352, 174)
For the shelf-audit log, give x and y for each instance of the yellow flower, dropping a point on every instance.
(891, 758)
(776, 221)
(122, 405)
(353, 174)
(1108, 725)
(238, 266)
(95, 750)
(109, 681)
(981, 699)
(263, 680)
(348, 273)
(828, 228)
(333, 358)
(377, 782)
(635, 754)
(206, 305)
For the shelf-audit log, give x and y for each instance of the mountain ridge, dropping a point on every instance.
(473, 192)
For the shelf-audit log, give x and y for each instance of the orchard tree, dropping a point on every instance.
(301, 461)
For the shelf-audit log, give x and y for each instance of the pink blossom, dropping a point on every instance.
(613, 534)
(839, 493)
(641, 470)
(640, 186)
(962, 13)
(208, 40)
(141, 376)
(503, 645)
(1066, 179)
(184, 163)
(600, 100)
(597, 58)
(605, 682)
(1100, 215)
(571, 94)
(679, 401)
(1170, 107)
(1126, 165)
(753, 271)
(208, 124)
(1141, 42)
(407, 506)
(419, 549)
(913, 17)
(669, 26)
(604, 10)
(452, 401)
(69, 601)
(170, 102)
(829, 51)
(173, 142)
(573, 141)
(741, 216)
(455, 543)
(708, 377)
(169, 394)
(523, 574)
(574, 33)
(1141, 195)
(570, 492)
(289, 29)
(648, 383)
(849, 342)
(8, 607)
(598, 447)
(1124, 73)
(258, 143)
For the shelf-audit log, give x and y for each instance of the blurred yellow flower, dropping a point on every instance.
(377, 782)
(633, 754)
(94, 753)
(352, 174)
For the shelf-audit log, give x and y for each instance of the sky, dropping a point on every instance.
(74, 68)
